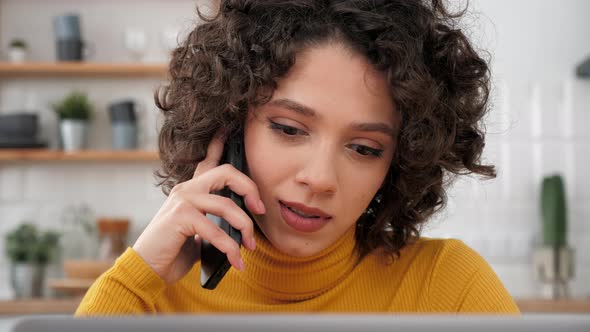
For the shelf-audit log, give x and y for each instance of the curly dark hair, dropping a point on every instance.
(439, 83)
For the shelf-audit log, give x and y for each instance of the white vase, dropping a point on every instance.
(17, 54)
(74, 134)
(27, 279)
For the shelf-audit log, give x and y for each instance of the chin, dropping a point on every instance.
(288, 244)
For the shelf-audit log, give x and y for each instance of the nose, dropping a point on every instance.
(318, 172)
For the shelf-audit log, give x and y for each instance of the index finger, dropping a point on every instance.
(214, 153)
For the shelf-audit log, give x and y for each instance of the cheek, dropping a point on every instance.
(266, 160)
(359, 198)
(367, 183)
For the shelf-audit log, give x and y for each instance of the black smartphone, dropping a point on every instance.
(214, 263)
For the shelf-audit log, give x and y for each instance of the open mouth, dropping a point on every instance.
(303, 221)
(304, 211)
(299, 212)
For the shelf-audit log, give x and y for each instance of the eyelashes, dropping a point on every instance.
(292, 133)
(286, 130)
(364, 150)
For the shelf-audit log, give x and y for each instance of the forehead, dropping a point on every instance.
(338, 84)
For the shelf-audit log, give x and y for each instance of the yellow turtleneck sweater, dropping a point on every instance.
(430, 276)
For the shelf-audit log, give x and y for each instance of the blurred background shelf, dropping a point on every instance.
(85, 155)
(70, 286)
(81, 69)
(39, 306)
(554, 306)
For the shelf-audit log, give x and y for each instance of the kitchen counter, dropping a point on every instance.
(38, 306)
(554, 306)
(68, 306)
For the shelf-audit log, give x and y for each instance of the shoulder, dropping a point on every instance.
(446, 260)
(442, 254)
(447, 253)
(428, 262)
(459, 278)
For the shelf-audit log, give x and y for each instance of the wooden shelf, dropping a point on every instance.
(39, 306)
(82, 69)
(84, 155)
(554, 306)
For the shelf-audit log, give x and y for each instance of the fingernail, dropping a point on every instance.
(252, 244)
(261, 207)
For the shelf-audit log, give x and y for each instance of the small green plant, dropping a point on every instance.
(75, 106)
(26, 244)
(18, 43)
(553, 209)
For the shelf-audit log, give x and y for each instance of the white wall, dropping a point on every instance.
(537, 126)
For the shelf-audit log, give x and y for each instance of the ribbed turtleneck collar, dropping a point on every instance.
(287, 278)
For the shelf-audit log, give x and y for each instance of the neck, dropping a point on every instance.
(289, 278)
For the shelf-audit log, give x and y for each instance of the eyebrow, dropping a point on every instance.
(307, 111)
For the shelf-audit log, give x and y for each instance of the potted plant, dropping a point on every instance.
(554, 259)
(17, 50)
(74, 112)
(29, 251)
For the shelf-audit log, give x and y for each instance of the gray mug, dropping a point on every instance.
(73, 50)
(70, 50)
(124, 135)
(67, 27)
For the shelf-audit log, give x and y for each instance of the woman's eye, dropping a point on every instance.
(367, 151)
(292, 132)
(287, 130)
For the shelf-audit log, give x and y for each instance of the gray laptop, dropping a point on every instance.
(310, 322)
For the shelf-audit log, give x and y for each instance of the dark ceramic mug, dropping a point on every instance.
(72, 50)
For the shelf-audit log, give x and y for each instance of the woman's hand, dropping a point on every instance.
(170, 244)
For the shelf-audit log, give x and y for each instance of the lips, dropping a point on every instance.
(306, 210)
(303, 218)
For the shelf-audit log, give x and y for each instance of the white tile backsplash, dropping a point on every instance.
(556, 158)
(11, 183)
(13, 213)
(519, 116)
(582, 176)
(521, 182)
(552, 120)
(501, 218)
(53, 180)
(581, 106)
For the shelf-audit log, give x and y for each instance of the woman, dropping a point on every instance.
(354, 115)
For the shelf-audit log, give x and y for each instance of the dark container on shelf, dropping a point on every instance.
(19, 130)
(18, 125)
(70, 50)
(124, 125)
(69, 44)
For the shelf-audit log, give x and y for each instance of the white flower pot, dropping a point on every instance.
(17, 54)
(74, 134)
(27, 279)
